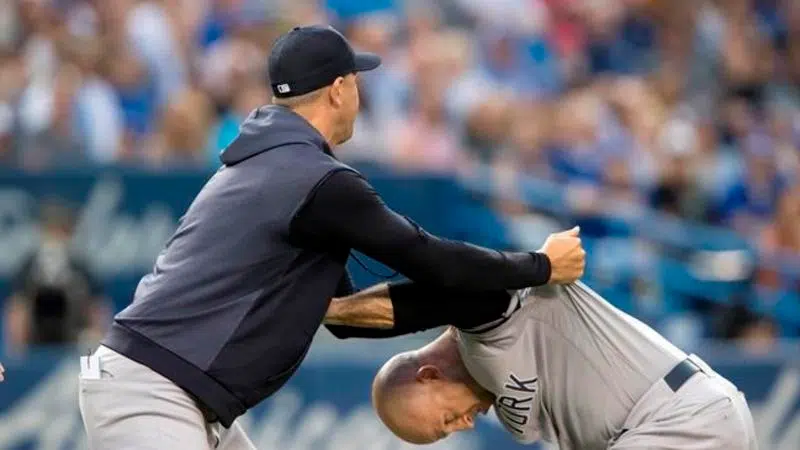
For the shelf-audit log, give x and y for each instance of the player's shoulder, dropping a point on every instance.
(499, 332)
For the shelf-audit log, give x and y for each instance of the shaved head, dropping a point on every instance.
(393, 393)
(424, 395)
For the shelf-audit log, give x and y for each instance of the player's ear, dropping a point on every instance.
(468, 420)
(336, 92)
(428, 373)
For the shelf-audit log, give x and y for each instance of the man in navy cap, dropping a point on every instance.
(236, 296)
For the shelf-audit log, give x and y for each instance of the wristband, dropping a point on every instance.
(543, 270)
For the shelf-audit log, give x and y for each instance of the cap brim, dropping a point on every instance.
(366, 61)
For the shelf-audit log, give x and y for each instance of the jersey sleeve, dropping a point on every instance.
(502, 324)
(501, 360)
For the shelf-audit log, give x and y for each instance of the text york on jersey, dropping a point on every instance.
(516, 404)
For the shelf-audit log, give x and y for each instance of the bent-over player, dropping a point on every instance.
(560, 364)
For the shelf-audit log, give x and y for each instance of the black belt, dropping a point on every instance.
(209, 415)
(676, 378)
(680, 374)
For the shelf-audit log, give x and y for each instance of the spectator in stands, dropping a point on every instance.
(528, 142)
(738, 119)
(758, 336)
(382, 93)
(488, 123)
(678, 192)
(155, 38)
(751, 201)
(780, 243)
(631, 136)
(38, 35)
(783, 132)
(135, 93)
(621, 40)
(182, 136)
(49, 129)
(577, 120)
(247, 97)
(424, 140)
(12, 83)
(746, 54)
(524, 153)
(234, 59)
(98, 120)
(718, 165)
(788, 43)
(593, 150)
(55, 297)
(44, 97)
(752, 332)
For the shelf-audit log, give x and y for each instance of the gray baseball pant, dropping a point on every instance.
(707, 413)
(132, 407)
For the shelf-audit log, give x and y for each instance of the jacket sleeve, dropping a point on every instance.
(345, 210)
(346, 332)
(418, 308)
(345, 286)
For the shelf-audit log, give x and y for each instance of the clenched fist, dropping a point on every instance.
(566, 254)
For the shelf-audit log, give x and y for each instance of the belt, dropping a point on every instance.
(209, 415)
(676, 378)
(680, 374)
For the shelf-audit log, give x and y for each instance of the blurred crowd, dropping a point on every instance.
(691, 108)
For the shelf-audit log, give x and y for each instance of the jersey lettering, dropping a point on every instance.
(522, 385)
(515, 410)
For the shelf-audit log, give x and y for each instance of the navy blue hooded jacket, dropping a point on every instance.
(240, 289)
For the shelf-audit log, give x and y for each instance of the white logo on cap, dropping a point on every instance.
(284, 88)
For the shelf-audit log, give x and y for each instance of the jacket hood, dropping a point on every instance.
(269, 127)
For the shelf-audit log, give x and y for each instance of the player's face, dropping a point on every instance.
(451, 406)
(348, 108)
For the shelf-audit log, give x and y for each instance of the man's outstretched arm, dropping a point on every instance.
(388, 310)
(344, 211)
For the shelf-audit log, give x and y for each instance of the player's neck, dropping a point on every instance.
(443, 348)
(321, 121)
(443, 353)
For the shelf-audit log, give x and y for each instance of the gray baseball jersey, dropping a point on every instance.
(565, 365)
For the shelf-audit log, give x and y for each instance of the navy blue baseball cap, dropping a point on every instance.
(309, 58)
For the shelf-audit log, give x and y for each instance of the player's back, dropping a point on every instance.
(591, 362)
(599, 361)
